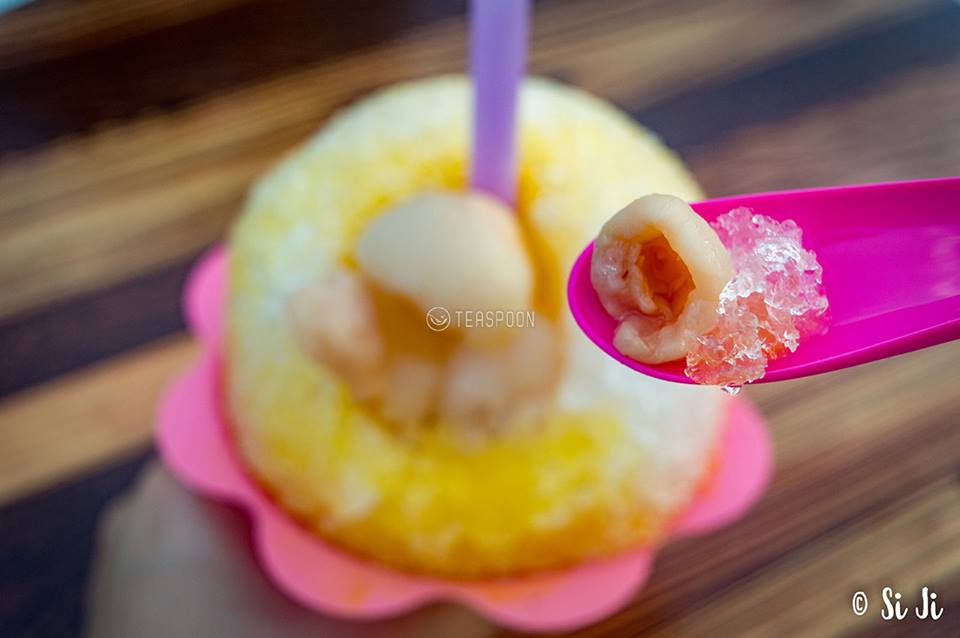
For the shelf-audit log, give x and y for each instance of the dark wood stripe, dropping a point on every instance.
(45, 550)
(40, 346)
(708, 114)
(176, 64)
(47, 29)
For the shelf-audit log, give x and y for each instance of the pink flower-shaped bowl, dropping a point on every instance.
(194, 440)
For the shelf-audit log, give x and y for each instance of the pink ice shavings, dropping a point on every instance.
(775, 300)
(194, 440)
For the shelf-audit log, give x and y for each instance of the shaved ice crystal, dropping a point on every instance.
(775, 300)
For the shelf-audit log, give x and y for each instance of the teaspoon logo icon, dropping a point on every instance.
(438, 319)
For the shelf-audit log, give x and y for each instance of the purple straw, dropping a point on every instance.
(498, 47)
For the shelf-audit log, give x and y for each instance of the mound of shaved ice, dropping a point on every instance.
(775, 300)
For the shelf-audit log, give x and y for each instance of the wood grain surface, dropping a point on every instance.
(130, 132)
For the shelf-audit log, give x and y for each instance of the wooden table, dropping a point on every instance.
(131, 129)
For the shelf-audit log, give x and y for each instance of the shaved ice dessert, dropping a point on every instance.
(441, 447)
(775, 300)
(727, 296)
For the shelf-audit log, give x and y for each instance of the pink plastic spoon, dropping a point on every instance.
(891, 270)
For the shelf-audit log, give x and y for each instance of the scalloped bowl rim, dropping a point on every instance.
(194, 441)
